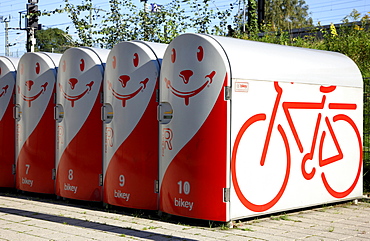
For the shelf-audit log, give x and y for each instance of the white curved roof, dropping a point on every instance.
(272, 62)
(11, 62)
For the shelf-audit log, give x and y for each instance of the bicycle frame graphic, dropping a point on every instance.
(307, 174)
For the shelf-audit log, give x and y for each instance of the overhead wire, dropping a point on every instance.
(328, 7)
(331, 5)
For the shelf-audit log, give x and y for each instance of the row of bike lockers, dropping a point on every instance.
(206, 127)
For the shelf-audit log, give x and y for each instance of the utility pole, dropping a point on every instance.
(91, 21)
(6, 21)
(32, 24)
(261, 12)
(91, 18)
(31, 40)
(243, 16)
(144, 20)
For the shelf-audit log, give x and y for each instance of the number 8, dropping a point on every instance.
(70, 174)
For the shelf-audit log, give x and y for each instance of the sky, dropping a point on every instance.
(323, 11)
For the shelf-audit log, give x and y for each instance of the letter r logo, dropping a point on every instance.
(167, 135)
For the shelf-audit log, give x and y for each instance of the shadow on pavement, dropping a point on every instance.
(89, 224)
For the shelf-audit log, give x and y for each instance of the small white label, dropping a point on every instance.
(241, 86)
(70, 188)
(27, 181)
(119, 194)
(179, 202)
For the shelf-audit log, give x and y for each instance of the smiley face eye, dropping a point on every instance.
(173, 56)
(136, 59)
(82, 64)
(37, 68)
(114, 62)
(64, 66)
(200, 53)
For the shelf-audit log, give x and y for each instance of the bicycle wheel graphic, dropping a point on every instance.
(328, 187)
(248, 204)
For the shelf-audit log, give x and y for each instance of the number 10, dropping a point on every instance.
(185, 187)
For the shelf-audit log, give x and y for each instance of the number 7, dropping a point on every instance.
(27, 168)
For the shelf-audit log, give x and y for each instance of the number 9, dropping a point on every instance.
(121, 180)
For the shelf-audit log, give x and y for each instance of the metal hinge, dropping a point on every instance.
(227, 194)
(53, 174)
(101, 180)
(13, 169)
(227, 92)
(156, 186)
(157, 95)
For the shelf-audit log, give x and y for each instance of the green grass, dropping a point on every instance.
(284, 217)
(247, 229)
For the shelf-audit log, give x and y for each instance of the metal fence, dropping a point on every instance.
(366, 134)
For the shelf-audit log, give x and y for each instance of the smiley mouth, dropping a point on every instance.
(125, 97)
(29, 99)
(5, 88)
(74, 98)
(187, 94)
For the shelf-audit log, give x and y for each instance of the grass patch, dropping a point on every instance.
(151, 227)
(247, 229)
(138, 214)
(284, 217)
(224, 227)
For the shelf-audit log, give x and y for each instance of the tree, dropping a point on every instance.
(115, 25)
(162, 25)
(252, 17)
(83, 24)
(351, 39)
(283, 15)
(126, 21)
(53, 40)
(203, 16)
(280, 15)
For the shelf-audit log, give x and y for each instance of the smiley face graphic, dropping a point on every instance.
(120, 91)
(31, 94)
(187, 76)
(72, 82)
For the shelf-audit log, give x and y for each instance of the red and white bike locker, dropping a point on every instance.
(78, 124)
(131, 125)
(35, 124)
(250, 128)
(8, 68)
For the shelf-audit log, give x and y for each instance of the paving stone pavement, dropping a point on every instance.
(29, 217)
